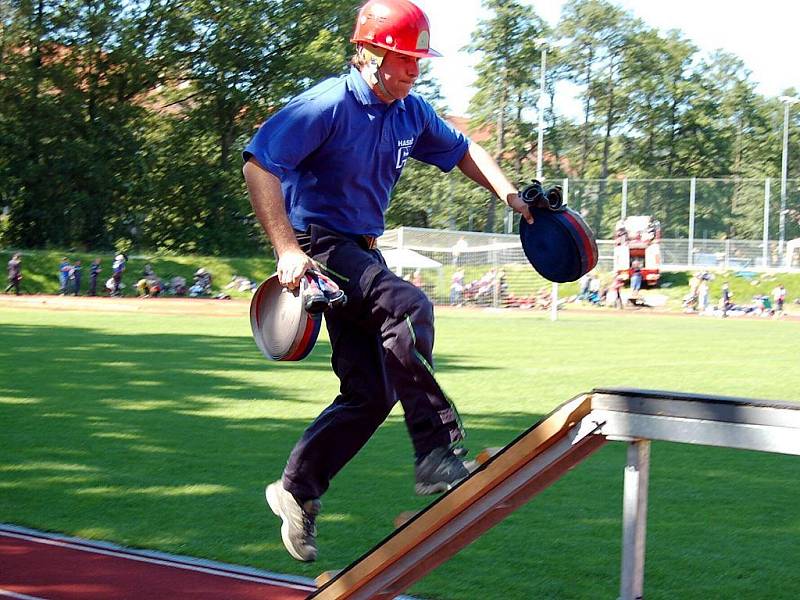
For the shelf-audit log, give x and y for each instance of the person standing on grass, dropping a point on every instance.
(14, 273)
(458, 249)
(779, 296)
(457, 288)
(64, 268)
(616, 291)
(117, 269)
(726, 300)
(636, 279)
(75, 275)
(320, 174)
(702, 294)
(94, 273)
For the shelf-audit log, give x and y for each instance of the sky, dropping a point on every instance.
(763, 34)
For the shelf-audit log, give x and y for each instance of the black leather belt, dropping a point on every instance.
(368, 242)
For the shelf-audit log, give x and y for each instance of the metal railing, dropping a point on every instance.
(431, 257)
(690, 208)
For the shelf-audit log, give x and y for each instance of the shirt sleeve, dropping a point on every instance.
(289, 136)
(440, 144)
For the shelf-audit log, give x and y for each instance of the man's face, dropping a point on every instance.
(399, 73)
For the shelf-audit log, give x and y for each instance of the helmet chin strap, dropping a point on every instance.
(374, 60)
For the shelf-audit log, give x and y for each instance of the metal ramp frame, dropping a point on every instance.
(545, 452)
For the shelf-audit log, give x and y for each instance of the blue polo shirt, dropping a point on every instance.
(339, 151)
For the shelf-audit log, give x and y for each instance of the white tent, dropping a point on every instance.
(403, 258)
(791, 247)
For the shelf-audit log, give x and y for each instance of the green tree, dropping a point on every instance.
(235, 63)
(68, 102)
(25, 107)
(657, 88)
(600, 35)
(507, 42)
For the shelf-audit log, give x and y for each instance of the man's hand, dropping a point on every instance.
(292, 265)
(266, 197)
(519, 205)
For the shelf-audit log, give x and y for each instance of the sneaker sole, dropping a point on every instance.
(274, 505)
(428, 489)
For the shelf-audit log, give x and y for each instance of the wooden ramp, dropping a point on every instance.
(508, 480)
(544, 453)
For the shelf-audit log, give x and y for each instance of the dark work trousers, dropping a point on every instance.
(382, 342)
(13, 284)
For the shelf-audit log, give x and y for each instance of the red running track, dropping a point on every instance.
(36, 565)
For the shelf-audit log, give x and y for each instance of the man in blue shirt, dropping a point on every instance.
(320, 173)
(64, 267)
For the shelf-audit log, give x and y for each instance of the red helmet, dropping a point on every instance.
(396, 25)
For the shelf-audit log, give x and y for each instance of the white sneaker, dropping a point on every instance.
(298, 528)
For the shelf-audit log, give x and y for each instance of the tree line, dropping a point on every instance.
(122, 121)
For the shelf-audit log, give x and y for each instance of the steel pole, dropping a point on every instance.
(784, 171)
(765, 251)
(624, 209)
(540, 141)
(692, 191)
(634, 520)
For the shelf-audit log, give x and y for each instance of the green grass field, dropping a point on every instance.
(160, 432)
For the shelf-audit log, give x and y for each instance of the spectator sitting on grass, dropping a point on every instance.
(583, 286)
(486, 285)
(177, 286)
(594, 289)
(150, 285)
(202, 284)
(243, 284)
(544, 297)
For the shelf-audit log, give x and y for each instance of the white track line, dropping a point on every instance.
(10, 594)
(158, 561)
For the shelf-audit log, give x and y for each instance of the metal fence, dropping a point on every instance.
(447, 247)
(699, 210)
(495, 272)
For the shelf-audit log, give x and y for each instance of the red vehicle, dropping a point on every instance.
(637, 244)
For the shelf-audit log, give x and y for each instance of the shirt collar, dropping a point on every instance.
(364, 94)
